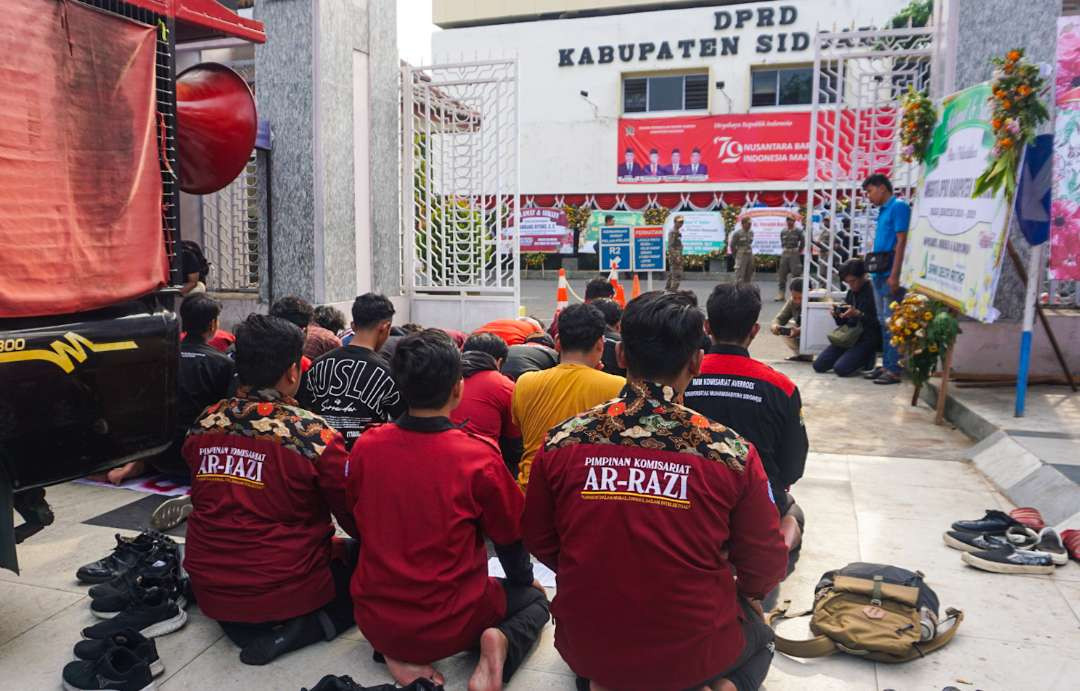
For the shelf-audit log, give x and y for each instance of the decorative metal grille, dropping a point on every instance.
(166, 110)
(230, 228)
(460, 179)
(859, 78)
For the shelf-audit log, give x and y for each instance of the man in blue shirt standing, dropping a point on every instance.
(889, 238)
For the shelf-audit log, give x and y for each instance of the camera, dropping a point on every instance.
(784, 330)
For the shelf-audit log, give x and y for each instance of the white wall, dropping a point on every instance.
(569, 145)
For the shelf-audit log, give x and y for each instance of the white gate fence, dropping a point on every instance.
(230, 234)
(460, 192)
(859, 79)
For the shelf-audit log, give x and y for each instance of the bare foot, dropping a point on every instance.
(489, 671)
(126, 472)
(405, 673)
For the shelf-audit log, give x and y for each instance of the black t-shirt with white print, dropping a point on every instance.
(351, 387)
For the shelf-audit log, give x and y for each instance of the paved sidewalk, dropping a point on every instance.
(1034, 460)
(1021, 632)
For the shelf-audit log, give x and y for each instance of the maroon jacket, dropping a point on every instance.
(266, 476)
(644, 508)
(424, 494)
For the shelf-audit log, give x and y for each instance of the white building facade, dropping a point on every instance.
(586, 81)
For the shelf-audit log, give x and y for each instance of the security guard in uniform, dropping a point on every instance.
(742, 246)
(791, 244)
(675, 255)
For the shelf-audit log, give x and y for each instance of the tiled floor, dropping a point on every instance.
(1021, 632)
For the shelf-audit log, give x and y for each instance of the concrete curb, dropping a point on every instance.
(1020, 475)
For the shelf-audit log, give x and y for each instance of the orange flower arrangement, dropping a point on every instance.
(1017, 112)
(917, 125)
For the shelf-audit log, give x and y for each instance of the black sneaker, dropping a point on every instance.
(128, 552)
(154, 614)
(118, 669)
(1009, 560)
(109, 606)
(165, 564)
(973, 542)
(144, 649)
(335, 683)
(993, 523)
(171, 513)
(874, 373)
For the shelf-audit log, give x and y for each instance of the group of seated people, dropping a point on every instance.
(651, 476)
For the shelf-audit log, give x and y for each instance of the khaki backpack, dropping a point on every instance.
(882, 613)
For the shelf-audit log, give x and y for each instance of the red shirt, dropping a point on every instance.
(424, 494)
(512, 331)
(266, 476)
(221, 340)
(644, 508)
(485, 406)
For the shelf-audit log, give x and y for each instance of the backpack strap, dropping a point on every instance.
(939, 641)
(818, 646)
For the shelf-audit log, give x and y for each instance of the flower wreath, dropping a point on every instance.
(1017, 113)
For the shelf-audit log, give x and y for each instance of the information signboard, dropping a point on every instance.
(702, 232)
(955, 243)
(590, 238)
(615, 247)
(648, 248)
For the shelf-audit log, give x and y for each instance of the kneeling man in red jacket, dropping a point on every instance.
(266, 476)
(658, 523)
(424, 494)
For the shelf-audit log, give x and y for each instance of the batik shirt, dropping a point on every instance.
(644, 508)
(266, 477)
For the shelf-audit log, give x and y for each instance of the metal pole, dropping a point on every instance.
(1030, 298)
(811, 176)
(517, 181)
(1022, 273)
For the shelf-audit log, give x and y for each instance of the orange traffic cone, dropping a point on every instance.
(635, 289)
(620, 294)
(562, 297)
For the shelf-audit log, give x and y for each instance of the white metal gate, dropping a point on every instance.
(859, 78)
(460, 192)
(230, 234)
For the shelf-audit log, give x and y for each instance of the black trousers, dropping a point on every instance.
(527, 611)
(335, 617)
(751, 667)
(846, 361)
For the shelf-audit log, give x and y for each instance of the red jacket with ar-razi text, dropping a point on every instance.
(266, 476)
(644, 508)
(424, 495)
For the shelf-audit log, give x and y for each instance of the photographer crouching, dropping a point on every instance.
(854, 343)
(788, 322)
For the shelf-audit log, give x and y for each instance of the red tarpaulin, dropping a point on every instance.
(80, 184)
